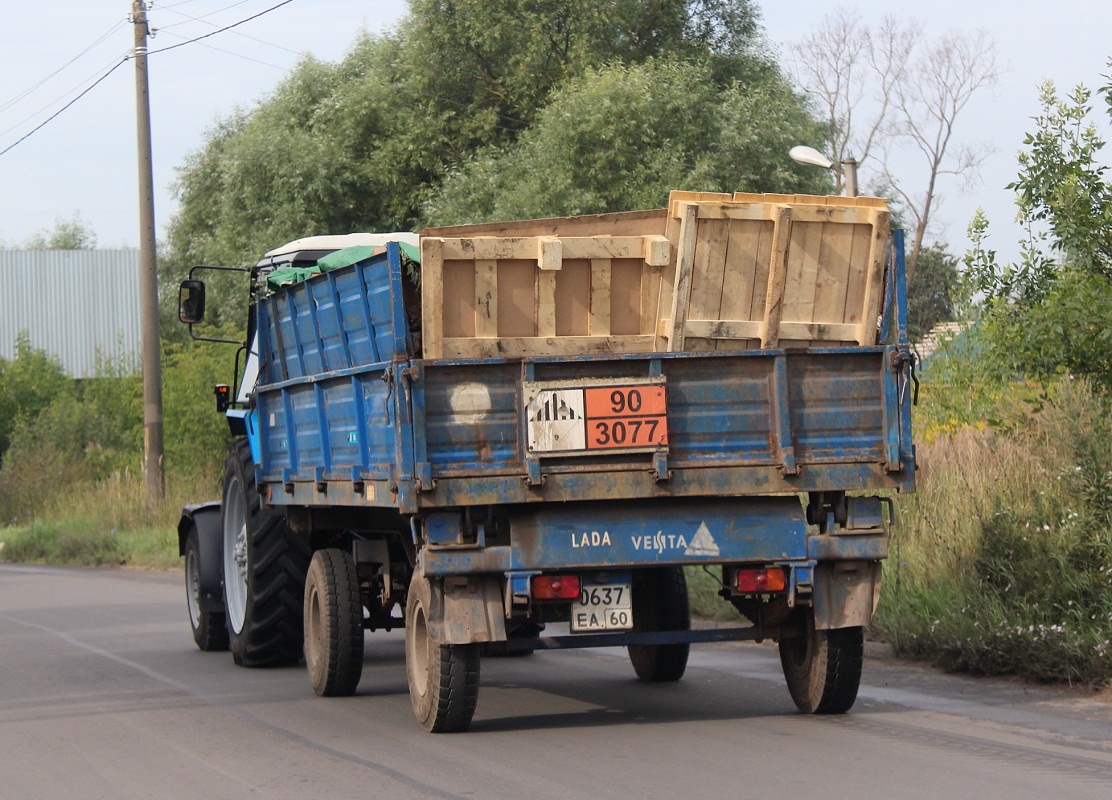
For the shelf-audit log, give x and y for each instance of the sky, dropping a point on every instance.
(84, 161)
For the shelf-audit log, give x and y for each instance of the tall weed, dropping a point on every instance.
(106, 521)
(1003, 558)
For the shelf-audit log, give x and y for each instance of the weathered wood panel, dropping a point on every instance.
(536, 294)
(774, 271)
(712, 271)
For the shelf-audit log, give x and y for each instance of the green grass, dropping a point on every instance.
(1001, 563)
(103, 523)
(85, 541)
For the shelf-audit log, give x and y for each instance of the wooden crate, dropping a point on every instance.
(772, 271)
(713, 271)
(543, 287)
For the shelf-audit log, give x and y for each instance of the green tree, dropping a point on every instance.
(932, 293)
(196, 436)
(1049, 313)
(67, 234)
(361, 144)
(620, 137)
(29, 383)
(505, 58)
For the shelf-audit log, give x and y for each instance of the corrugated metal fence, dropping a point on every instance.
(75, 304)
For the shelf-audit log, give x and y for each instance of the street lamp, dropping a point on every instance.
(801, 154)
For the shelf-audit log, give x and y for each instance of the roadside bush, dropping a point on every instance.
(28, 384)
(703, 586)
(86, 431)
(1002, 563)
(195, 436)
(71, 483)
(105, 522)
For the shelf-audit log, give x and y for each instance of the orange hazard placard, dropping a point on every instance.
(626, 416)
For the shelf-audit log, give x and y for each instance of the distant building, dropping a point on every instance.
(74, 304)
(941, 335)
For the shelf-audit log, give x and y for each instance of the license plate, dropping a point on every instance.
(603, 607)
(581, 418)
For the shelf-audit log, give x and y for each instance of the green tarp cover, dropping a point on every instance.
(347, 257)
(284, 276)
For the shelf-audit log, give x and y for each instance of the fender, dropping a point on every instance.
(206, 518)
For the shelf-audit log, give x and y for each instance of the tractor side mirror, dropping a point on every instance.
(191, 301)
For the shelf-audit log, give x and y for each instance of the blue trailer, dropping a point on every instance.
(498, 488)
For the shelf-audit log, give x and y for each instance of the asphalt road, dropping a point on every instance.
(104, 695)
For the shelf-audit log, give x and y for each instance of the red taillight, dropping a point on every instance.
(760, 581)
(555, 587)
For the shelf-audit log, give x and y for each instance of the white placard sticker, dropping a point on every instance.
(556, 420)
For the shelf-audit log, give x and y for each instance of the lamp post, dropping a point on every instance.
(801, 154)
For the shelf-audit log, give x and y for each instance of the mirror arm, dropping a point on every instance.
(193, 335)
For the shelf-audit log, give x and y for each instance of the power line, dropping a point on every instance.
(28, 91)
(120, 63)
(187, 19)
(201, 18)
(58, 99)
(54, 116)
(221, 30)
(233, 53)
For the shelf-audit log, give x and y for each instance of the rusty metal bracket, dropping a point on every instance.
(409, 375)
(660, 471)
(534, 477)
(801, 583)
(782, 434)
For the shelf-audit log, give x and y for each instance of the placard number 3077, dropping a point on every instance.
(632, 432)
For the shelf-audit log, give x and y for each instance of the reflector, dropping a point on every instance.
(760, 581)
(555, 587)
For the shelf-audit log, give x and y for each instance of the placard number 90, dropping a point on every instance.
(625, 402)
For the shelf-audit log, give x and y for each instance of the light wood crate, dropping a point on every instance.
(713, 271)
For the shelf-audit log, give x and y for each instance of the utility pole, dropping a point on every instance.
(153, 467)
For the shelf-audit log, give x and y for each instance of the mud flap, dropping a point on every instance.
(210, 539)
(845, 593)
(467, 610)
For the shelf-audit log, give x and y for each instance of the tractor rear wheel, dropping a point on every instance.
(264, 571)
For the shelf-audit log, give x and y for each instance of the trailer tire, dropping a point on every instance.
(660, 604)
(264, 572)
(443, 678)
(822, 667)
(210, 628)
(333, 624)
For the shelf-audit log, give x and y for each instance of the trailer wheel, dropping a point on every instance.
(823, 668)
(210, 630)
(264, 572)
(660, 604)
(443, 679)
(333, 624)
